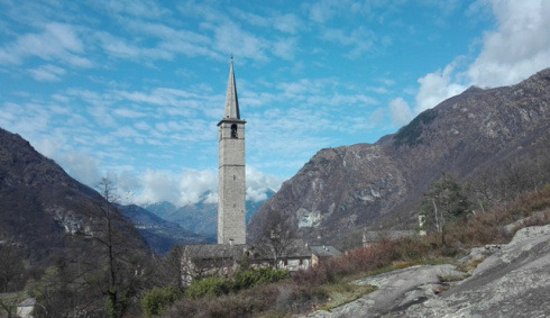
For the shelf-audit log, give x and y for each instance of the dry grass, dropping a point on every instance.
(343, 293)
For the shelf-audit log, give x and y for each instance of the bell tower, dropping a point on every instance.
(231, 178)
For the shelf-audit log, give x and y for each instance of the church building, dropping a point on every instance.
(231, 178)
(224, 258)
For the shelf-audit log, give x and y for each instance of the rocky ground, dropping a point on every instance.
(511, 280)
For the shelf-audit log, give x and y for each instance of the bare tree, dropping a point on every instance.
(123, 269)
(278, 237)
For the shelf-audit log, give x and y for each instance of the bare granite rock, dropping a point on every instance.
(512, 282)
(396, 290)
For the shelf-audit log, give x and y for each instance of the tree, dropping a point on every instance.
(444, 203)
(12, 268)
(278, 237)
(12, 277)
(8, 304)
(168, 269)
(123, 269)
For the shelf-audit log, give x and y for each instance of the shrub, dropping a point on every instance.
(210, 286)
(157, 300)
(216, 286)
(269, 300)
(254, 277)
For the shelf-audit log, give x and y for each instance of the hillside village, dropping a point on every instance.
(467, 223)
(327, 176)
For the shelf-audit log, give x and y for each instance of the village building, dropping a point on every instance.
(320, 254)
(199, 261)
(26, 308)
(231, 178)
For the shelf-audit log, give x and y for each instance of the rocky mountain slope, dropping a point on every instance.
(45, 211)
(160, 235)
(201, 217)
(342, 190)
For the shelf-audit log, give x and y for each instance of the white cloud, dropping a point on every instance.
(400, 112)
(436, 87)
(57, 41)
(47, 73)
(158, 186)
(193, 186)
(515, 50)
(285, 48)
(129, 113)
(230, 38)
(126, 132)
(288, 23)
(142, 8)
(360, 40)
(323, 11)
(519, 47)
(81, 166)
(169, 42)
(258, 183)
(142, 125)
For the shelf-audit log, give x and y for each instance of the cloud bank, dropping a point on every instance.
(516, 49)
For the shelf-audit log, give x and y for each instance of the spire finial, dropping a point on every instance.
(232, 102)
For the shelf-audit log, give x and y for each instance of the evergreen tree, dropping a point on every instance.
(445, 202)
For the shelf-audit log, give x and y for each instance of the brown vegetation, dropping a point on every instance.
(310, 289)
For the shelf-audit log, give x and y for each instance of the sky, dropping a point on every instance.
(132, 90)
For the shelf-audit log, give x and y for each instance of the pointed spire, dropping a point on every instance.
(231, 101)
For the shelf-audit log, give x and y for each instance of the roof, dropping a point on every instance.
(29, 302)
(213, 251)
(231, 100)
(296, 249)
(325, 251)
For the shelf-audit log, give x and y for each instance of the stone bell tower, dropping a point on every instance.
(232, 186)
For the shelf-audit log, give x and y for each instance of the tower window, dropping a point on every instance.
(234, 131)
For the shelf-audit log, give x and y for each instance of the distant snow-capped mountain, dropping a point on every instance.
(201, 217)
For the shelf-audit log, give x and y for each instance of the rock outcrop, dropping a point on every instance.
(512, 282)
(340, 191)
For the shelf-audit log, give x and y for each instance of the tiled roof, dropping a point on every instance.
(215, 251)
(325, 251)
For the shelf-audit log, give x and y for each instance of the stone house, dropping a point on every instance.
(199, 261)
(323, 252)
(26, 307)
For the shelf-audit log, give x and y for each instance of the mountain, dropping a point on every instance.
(45, 211)
(160, 235)
(200, 217)
(162, 209)
(478, 136)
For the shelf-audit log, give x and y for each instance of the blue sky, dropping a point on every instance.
(133, 90)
